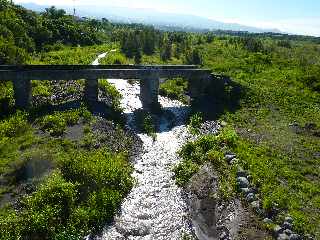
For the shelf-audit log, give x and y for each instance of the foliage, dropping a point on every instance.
(208, 149)
(175, 89)
(14, 126)
(195, 123)
(57, 122)
(111, 92)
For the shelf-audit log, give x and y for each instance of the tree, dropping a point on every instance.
(194, 56)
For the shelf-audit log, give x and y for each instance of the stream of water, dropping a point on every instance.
(155, 208)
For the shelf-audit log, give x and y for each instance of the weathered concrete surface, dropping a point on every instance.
(91, 90)
(202, 189)
(22, 92)
(148, 75)
(149, 91)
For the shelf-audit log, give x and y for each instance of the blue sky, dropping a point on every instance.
(294, 16)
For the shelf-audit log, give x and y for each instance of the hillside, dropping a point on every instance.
(152, 17)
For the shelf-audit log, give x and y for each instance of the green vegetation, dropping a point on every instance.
(195, 123)
(208, 149)
(175, 89)
(111, 92)
(271, 100)
(76, 189)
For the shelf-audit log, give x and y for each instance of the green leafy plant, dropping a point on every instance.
(195, 123)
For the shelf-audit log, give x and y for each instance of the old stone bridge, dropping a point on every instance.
(149, 77)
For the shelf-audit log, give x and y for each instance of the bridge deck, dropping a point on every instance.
(70, 72)
(149, 76)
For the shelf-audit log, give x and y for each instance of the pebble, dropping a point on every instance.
(234, 161)
(288, 232)
(251, 197)
(295, 237)
(288, 219)
(277, 230)
(283, 237)
(267, 221)
(287, 225)
(223, 236)
(229, 157)
(241, 173)
(245, 191)
(242, 182)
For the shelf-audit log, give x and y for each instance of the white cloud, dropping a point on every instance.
(304, 26)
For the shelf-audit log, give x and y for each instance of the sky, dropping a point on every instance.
(292, 16)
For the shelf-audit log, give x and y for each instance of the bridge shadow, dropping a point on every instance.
(222, 96)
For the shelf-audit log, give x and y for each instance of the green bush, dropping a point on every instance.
(184, 171)
(195, 123)
(111, 91)
(57, 122)
(15, 125)
(175, 88)
(97, 170)
(208, 149)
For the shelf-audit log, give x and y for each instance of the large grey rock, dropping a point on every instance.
(251, 197)
(287, 225)
(201, 190)
(243, 182)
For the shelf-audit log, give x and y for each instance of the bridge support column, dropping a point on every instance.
(198, 86)
(91, 90)
(22, 93)
(149, 91)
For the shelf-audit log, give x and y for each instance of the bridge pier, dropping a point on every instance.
(22, 92)
(198, 86)
(149, 91)
(91, 90)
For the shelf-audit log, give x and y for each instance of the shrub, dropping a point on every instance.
(57, 122)
(97, 170)
(184, 171)
(14, 126)
(111, 92)
(195, 123)
(175, 88)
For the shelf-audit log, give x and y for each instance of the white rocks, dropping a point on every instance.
(267, 221)
(155, 208)
(295, 237)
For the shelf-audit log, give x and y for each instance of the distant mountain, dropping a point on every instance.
(153, 17)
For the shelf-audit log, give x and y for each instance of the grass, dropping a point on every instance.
(71, 55)
(195, 123)
(279, 101)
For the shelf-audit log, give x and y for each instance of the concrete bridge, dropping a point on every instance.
(149, 77)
